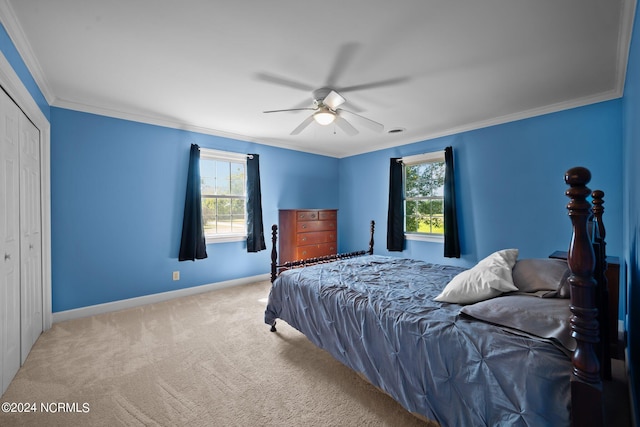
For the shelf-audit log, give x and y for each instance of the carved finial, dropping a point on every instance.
(372, 230)
(274, 252)
(598, 202)
(577, 176)
(598, 211)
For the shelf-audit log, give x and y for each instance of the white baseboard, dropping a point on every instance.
(108, 307)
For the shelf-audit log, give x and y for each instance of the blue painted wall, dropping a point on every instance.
(631, 205)
(118, 189)
(509, 181)
(118, 193)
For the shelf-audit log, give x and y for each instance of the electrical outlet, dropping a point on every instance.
(176, 275)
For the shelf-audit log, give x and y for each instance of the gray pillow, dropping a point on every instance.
(545, 276)
(546, 318)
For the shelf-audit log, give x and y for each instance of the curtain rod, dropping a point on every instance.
(422, 157)
(223, 154)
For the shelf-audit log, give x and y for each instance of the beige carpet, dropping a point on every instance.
(205, 360)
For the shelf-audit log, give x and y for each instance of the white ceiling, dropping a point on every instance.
(429, 67)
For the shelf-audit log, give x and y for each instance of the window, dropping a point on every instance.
(223, 185)
(424, 196)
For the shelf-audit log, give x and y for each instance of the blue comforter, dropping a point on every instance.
(377, 315)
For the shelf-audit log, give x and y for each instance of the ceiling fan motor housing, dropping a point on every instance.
(321, 94)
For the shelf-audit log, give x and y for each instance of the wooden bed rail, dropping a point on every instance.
(276, 268)
(586, 384)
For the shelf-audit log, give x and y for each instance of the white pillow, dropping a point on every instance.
(489, 278)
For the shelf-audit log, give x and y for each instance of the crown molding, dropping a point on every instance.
(175, 124)
(509, 118)
(628, 14)
(22, 45)
(141, 117)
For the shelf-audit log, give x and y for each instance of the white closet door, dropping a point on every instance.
(9, 239)
(30, 236)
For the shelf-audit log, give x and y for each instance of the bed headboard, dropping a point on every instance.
(586, 383)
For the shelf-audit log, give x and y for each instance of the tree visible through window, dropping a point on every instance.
(223, 185)
(424, 196)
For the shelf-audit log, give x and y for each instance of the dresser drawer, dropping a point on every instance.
(327, 215)
(315, 237)
(305, 226)
(314, 251)
(307, 215)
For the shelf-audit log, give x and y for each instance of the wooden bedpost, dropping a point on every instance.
(373, 227)
(274, 252)
(586, 385)
(602, 291)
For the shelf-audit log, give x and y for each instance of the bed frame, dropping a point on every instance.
(586, 259)
(276, 268)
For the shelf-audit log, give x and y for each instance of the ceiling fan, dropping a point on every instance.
(326, 103)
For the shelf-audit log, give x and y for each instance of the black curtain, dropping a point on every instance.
(255, 230)
(395, 216)
(192, 245)
(451, 239)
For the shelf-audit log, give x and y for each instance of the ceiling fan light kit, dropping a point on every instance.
(324, 117)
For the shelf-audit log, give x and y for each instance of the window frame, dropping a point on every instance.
(431, 157)
(226, 156)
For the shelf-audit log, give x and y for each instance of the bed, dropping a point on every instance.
(507, 342)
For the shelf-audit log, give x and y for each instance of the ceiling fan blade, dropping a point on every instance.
(368, 123)
(289, 109)
(333, 100)
(345, 126)
(302, 125)
(345, 55)
(283, 81)
(372, 85)
(302, 104)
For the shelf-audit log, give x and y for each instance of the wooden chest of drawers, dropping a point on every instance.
(307, 233)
